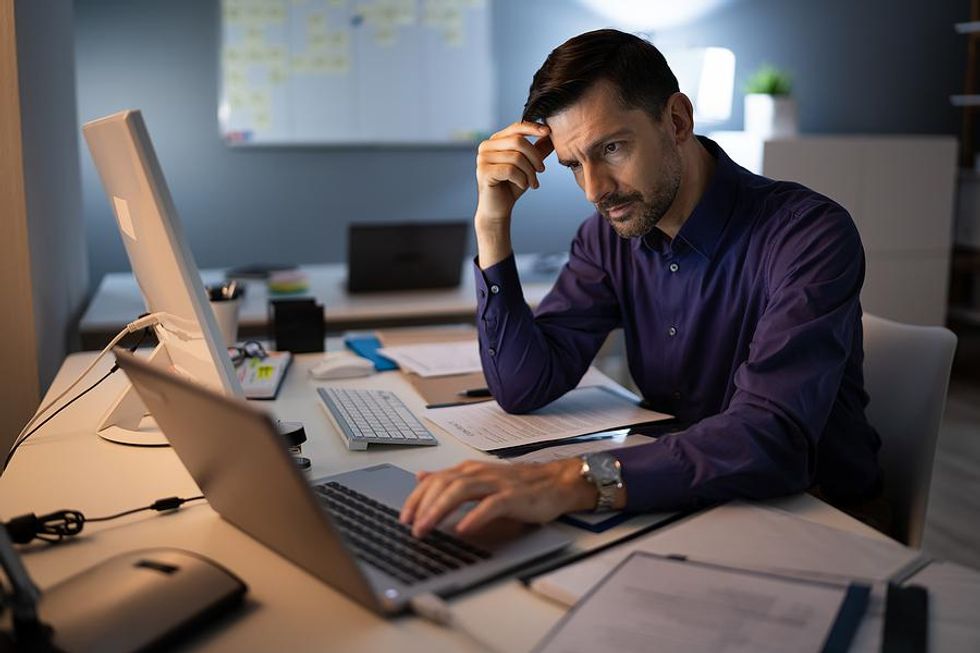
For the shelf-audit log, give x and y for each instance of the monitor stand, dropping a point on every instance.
(127, 421)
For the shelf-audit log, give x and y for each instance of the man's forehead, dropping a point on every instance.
(574, 137)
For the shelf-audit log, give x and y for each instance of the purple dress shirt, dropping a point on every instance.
(746, 326)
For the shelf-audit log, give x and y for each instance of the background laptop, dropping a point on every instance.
(342, 529)
(405, 256)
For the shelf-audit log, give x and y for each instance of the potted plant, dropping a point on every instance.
(770, 112)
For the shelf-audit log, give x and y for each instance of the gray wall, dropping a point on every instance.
(52, 187)
(876, 66)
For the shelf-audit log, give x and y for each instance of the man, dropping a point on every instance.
(738, 297)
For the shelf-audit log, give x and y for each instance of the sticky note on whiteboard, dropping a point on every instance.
(122, 216)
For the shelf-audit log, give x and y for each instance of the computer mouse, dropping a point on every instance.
(139, 599)
(341, 365)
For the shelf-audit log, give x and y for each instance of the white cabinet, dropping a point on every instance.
(898, 189)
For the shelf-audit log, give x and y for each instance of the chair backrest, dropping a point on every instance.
(906, 373)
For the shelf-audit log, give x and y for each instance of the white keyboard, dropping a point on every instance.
(373, 417)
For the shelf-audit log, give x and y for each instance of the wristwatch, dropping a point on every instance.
(604, 471)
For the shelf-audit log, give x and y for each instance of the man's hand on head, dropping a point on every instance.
(534, 493)
(507, 165)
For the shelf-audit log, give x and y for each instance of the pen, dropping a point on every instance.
(475, 392)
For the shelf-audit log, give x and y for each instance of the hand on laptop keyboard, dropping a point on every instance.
(534, 492)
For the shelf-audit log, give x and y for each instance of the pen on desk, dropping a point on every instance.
(475, 392)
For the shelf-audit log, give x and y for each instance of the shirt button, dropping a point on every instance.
(677, 395)
(494, 289)
(673, 267)
(672, 331)
(492, 351)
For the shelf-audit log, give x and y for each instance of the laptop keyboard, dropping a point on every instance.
(377, 537)
(373, 417)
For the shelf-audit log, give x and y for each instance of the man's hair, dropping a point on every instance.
(635, 67)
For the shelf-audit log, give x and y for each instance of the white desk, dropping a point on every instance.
(66, 465)
(118, 301)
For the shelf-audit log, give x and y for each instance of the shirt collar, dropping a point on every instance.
(703, 228)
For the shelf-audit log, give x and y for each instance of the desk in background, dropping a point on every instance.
(118, 301)
(67, 465)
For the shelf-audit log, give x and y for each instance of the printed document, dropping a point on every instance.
(748, 536)
(653, 603)
(486, 426)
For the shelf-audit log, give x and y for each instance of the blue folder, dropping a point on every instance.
(367, 347)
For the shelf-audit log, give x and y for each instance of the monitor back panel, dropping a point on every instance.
(405, 256)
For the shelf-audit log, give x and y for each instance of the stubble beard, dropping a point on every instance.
(648, 212)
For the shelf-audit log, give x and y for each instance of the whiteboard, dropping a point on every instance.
(351, 72)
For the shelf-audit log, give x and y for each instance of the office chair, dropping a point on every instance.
(906, 373)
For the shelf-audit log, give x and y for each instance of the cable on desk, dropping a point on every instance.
(22, 440)
(144, 322)
(63, 524)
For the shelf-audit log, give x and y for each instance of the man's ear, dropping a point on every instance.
(679, 112)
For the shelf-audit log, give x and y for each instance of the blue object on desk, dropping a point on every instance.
(367, 347)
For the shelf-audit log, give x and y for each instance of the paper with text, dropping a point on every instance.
(651, 603)
(749, 536)
(486, 426)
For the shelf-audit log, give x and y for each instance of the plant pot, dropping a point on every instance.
(770, 116)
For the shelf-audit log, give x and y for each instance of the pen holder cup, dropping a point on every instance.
(226, 309)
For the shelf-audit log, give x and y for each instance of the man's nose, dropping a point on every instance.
(596, 183)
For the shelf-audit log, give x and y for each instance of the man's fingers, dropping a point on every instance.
(456, 493)
(510, 158)
(524, 129)
(425, 479)
(411, 503)
(517, 144)
(544, 147)
(505, 172)
(486, 511)
(433, 490)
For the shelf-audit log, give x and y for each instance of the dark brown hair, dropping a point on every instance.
(634, 66)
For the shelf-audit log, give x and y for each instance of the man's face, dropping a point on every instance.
(626, 162)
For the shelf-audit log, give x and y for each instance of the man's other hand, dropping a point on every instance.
(507, 164)
(530, 492)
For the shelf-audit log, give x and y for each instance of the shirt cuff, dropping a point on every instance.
(655, 476)
(497, 287)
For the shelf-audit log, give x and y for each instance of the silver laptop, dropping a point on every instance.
(343, 529)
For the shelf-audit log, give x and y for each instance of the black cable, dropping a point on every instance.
(160, 505)
(63, 524)
(13, 449)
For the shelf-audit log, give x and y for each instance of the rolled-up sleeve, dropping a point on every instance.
(764, 443)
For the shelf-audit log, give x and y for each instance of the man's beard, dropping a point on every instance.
(647, 212)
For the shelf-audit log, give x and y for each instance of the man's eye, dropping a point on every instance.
(612, 148)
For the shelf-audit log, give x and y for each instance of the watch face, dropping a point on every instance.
(605, 468)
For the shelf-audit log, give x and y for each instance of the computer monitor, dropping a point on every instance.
(190, 343)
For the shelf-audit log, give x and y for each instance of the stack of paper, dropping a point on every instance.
(488, 427)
